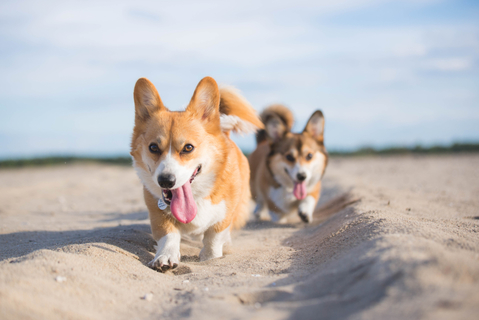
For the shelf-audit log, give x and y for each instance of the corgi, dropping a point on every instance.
(195, 178)
(286, 167)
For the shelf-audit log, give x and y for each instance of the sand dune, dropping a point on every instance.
(393, 237)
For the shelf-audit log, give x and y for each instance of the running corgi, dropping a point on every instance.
(286, 167)
(196, 180)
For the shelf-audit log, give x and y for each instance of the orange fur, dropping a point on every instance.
(232, 103)
(279, 111)
(157, 218)
(199, 125)
(271, 165)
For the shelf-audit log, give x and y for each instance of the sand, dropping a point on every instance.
(393, 238)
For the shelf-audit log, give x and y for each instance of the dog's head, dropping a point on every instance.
(297, 160)
(174, 153)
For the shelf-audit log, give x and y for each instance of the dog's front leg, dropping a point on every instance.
(306, 208)
(167, 252)
(213, 243)
(166, 235)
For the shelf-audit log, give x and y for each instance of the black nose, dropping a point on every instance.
(166, 180)
(301, 176)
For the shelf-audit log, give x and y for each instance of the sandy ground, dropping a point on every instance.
(393, 238)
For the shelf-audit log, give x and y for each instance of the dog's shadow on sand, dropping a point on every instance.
(134, 238)
(267, 224)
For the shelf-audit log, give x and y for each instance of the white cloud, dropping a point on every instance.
(449, 64)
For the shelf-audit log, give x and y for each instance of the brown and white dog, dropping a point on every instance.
(286, 167)
(196, 180)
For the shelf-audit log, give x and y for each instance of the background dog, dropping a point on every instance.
(286, 167)
(195, 177)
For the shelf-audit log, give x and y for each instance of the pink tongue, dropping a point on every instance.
(299, 190)
(183, 206)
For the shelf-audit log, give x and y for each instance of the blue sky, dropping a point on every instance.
(383, 72)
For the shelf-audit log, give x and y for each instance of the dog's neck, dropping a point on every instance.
(270, 176)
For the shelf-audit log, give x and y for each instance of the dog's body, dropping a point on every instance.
(187, 160)
(286, 168)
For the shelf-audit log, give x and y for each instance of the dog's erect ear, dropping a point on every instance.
(275, 128)
(147, 100)
(315, 126)
(205, 103)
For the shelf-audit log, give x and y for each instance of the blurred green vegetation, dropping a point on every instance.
(62, 160)
(438, 149)
(126, 160)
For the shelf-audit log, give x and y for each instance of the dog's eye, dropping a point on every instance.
(309, 156)
(187, 148)
(154, 148)
(290, 157)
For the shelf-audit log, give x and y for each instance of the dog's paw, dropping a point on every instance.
(207, 254)
(165, 261)
(307, 218)
(213, 243)
(257, 211)
(306, 208)
(168, 253)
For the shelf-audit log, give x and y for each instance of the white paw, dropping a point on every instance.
(208, 254)
(306, 217)
(257, 211)
(283, 220)
(306, 208)
(213, 244)
(168, 254)
(165, 261)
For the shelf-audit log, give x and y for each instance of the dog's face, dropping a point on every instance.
(174, 152)
(297, 161)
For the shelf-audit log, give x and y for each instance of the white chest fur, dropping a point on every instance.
(284, 199)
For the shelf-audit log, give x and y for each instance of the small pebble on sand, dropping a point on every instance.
(60, 279)
(148, 297)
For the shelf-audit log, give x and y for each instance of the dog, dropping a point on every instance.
(195, 178)
(286, 167)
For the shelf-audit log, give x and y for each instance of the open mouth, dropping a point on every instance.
(168, 195)
(299, 189)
